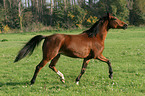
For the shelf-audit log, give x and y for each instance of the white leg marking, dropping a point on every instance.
(61, 75)
(77, 82)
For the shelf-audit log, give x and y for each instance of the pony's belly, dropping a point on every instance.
(75, 54)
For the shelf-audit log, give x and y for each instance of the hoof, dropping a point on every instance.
(62, 80)
(32, 82)
(77, 83)
(111, 76)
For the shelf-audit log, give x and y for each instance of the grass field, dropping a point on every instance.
(125, 49)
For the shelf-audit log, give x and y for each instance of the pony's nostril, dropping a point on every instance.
(125, 26)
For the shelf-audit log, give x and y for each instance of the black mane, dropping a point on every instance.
(94, 29)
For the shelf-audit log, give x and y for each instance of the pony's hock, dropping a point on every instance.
(87, 45)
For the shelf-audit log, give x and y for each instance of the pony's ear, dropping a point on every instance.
(108, 14)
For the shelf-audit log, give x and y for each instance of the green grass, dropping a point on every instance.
(125, 49)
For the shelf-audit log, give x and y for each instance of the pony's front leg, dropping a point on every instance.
(85, 63)
(102, 58)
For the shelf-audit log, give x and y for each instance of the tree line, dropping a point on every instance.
(29, 14)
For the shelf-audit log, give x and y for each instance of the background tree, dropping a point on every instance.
(117, 8)
(130, 8)
(32, 14)
(138, 13)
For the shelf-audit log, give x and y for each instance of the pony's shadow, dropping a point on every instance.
(14, 83)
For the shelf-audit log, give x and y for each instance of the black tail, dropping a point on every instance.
(29, 47)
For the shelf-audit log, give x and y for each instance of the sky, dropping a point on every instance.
(48, 1)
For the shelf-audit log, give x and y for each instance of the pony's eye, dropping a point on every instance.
(113, 19)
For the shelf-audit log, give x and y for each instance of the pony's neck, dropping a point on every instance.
(102, 33)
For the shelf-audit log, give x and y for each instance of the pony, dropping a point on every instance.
(86, 45)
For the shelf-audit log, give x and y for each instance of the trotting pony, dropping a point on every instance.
(87, 45)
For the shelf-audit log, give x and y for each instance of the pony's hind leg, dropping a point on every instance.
(38, 68)
(52, 66)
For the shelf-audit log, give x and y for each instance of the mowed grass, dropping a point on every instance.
(124, 48)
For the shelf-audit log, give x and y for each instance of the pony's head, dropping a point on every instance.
(115, 23)
(112, 22)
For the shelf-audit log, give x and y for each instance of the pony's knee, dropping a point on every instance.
(108, 62)
(37, 67)
(51, 67)
(40, 66)
(83, 70)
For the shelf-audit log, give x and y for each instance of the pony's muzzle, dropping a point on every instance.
(125, 26)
